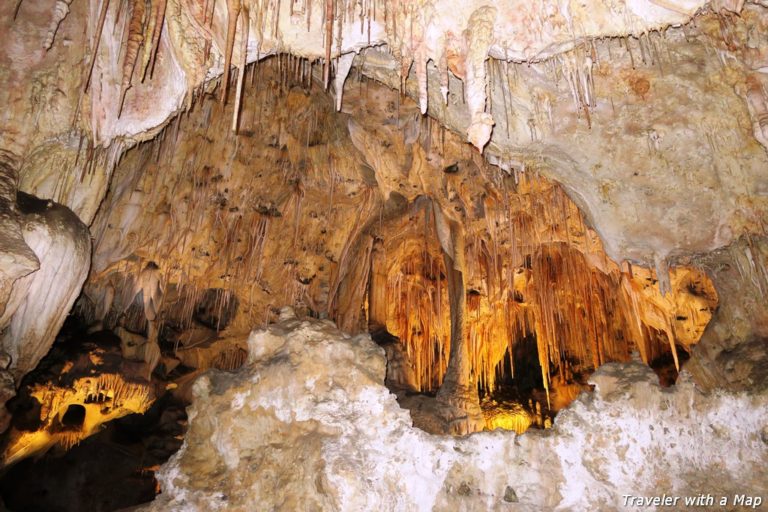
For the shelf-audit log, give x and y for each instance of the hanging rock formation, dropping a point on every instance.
(579, 86)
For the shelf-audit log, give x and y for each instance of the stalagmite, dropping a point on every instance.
(458, 389)
(152, 355)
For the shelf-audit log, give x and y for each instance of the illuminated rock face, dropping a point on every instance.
(269, 222)
(70, 414)
(308, 424)
(91, 387)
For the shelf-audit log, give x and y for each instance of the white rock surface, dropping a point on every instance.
(308, 425)
(40, 301)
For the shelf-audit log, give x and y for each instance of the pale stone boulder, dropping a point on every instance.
(308, 425)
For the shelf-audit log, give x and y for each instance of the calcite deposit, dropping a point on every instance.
(549, 215)
(431, 214)
(307, 424)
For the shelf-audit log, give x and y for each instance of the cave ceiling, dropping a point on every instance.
(652, 114)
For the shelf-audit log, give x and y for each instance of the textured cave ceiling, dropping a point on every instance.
(650, 113)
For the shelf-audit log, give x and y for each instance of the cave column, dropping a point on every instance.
(458, 391)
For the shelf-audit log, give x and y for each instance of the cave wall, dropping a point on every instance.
(656, 134)
(334, 214)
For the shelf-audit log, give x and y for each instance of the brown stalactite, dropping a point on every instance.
(330, 7)
(233, 12)
(160, 7)
(60, 11)
(133, 45)
(95, 51)
(241, 68)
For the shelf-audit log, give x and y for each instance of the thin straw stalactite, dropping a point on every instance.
(241, 70)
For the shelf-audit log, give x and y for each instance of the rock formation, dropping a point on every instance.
(513, 198)
(308, 424)
(43, 243)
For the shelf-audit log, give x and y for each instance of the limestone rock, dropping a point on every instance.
(33, 307)
(16, 257)
(307, 424)
(40, 301)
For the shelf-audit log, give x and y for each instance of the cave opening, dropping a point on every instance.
(73, 417)
(539, 313)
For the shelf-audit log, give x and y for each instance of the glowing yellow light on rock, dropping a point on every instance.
(103, 398)
(508, 416)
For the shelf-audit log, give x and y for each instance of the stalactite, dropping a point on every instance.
(133, 44)
(233, 12)
(241, 70)
(344, 64)
(150, 29)
(16, 10)
(95, 52)
(329, 17)
(60, 11)
(480, 29)
(421, 77)
(160, 8)
(548, 287)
